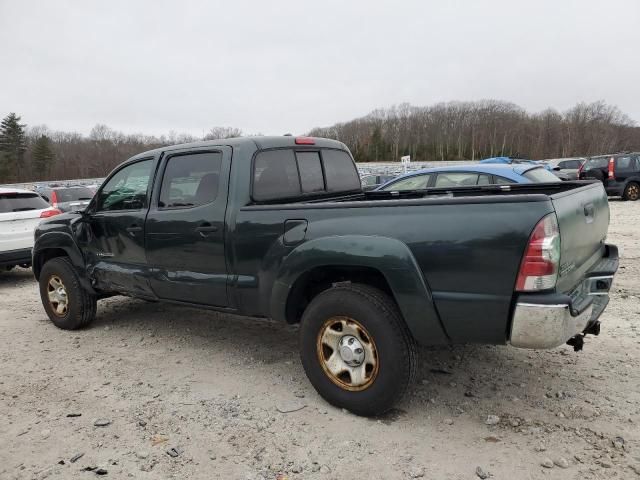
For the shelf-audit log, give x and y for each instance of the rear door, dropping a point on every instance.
(185, 228)
(583, 219)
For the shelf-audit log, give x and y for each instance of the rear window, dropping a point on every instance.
(600, 162)
(73, 194)
(286, 173)
(340, 171)
(540, 175)
(19, 202)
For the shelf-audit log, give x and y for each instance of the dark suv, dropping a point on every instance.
(620, 174)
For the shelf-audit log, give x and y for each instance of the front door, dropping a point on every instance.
(186, 225)
(114, 230)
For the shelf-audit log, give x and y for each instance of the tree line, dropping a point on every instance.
(476, 130)
(29, 154)
(445, 131)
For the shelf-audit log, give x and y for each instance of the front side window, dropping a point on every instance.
(416, 182)
(127, 189)
(456, 179)
(191, 180)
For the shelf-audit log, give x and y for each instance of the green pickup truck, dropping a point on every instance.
(279, 227)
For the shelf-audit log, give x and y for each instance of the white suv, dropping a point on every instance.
(20, 213)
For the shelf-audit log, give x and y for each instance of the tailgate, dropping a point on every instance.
(583, 218)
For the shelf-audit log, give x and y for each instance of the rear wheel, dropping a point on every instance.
(631, 192)
(356, 349)
(68, 305)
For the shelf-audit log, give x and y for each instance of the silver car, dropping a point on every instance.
(569, 166)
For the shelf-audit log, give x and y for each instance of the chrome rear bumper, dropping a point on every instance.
(546, 326)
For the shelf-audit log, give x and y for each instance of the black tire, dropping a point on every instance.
(394, 345)
(631, 192)
(80, 304)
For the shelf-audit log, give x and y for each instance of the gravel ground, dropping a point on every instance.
(153, 391)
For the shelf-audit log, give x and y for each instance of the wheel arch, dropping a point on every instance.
(381, 262)
(58, 244)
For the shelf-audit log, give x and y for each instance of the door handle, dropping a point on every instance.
(206, 228)
(133, 229)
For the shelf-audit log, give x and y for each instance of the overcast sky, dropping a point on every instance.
(276, 67)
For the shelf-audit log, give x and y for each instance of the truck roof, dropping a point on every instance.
(260, 143)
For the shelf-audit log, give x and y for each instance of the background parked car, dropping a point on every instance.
(568, 166)
(620, 174)
(20, 213)
(481, 174)
(67, 198)
(517, 161)
(371, 181)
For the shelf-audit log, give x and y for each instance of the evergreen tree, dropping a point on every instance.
(42, 156)
(13, 144)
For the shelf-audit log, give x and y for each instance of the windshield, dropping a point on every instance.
(20, 202)
(73, 194)
(540, 175)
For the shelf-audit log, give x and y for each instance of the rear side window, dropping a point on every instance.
(20, 202)
(191, 180)
(625, 164)
(540, 175)
(275, 175)
(484, 179)
(286, 173)
(502, 180)
(460, 179)
(340, 171)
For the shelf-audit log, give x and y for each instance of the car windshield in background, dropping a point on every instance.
(601, 162)
(20, 202)
(73, 194)
(540, 175)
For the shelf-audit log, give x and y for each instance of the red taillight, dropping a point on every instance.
(539, 267)
(305, 141)
(54, 199)
(50, 213)
(612, 167)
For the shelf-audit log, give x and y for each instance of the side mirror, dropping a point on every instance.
(556, 168)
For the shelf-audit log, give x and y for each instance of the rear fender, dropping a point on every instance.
(389, 256)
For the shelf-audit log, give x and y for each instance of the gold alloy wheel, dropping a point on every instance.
(347, 353)
(57, 294)
(633, 192)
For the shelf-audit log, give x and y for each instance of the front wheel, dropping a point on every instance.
(631, 192)
(68, 305)
(356, 349)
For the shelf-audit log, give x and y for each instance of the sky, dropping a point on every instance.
(285, 67)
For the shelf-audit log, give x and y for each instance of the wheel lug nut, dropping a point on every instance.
(351, 341)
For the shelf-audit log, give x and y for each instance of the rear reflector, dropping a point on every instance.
(539, 267)
(612, 172)
(50, 213)
(305, 141)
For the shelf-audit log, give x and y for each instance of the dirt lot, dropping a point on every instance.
(230, 396)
